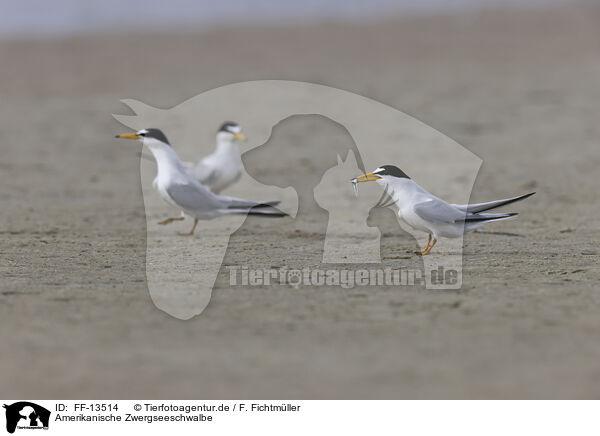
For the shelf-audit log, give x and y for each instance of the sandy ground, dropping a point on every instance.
(519, 89)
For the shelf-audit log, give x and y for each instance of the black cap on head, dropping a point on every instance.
(154, 133)
(229, 126)
(391, 170)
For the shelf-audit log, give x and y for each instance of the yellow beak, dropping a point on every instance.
(369, 177)
(128, 136)
(239, 136)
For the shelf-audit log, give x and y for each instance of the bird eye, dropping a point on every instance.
(141, 134)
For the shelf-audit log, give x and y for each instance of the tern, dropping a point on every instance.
(425, 212)
(178, 188)
(224, 166)
(221, 168)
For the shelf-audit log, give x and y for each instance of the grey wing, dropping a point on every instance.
(489, 205)
(438, 211)
(194, 197)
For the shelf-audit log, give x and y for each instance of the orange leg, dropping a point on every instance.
(427, 250)
(170, 220)
(191, 232)
(421, 253)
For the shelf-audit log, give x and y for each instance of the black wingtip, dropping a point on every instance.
(267, 215)
(477, 217)
(497, 204)
(266, 204)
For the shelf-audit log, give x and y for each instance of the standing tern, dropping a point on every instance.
(178, 188)
(224, 166)
(424, 211)
(221, 168)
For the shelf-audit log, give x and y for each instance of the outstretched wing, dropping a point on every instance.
(438, 211)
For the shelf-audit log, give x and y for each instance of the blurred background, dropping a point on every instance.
(64, 17)
(515, 82)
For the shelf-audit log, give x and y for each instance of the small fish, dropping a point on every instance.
(355, 186)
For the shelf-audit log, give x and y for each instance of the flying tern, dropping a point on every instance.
(424, 211)
(178, 188)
